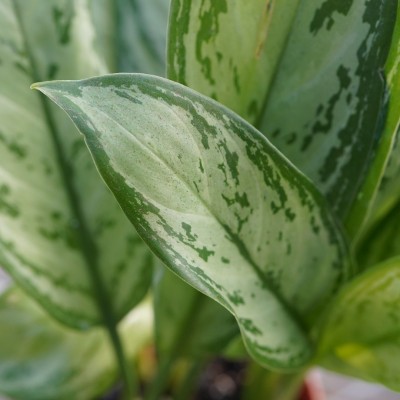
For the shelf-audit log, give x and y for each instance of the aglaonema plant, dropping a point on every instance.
(263, 172)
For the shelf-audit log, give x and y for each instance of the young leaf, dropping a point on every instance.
(216, 202)
(142, 31)
(63, 237)
(361, 333)
(187, 323)
(42, 360)
(229, 50)
(330, 82)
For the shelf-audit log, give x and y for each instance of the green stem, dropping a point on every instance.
(87, 245)
(160, 380)
(264, 384)
(189, 381)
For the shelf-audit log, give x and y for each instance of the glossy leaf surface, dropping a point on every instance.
(42, 360)
(63, 237)
(361, 335)
(229, 50)
(215, 201)
(187, 322)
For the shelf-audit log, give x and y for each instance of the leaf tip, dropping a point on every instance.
(37, 86)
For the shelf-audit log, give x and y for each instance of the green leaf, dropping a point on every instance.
(382, 242)
(308, 75)
(216, 202)
(229, 50)
(188, 323)
(42, 360)
(380, 191)
(63, 237)
(327, 105)
(361, 333)
(142, 31)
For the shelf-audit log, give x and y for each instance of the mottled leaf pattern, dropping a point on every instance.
(142, 35)
(187, 322)
(42, 360)
(327, 105)
(61, 231)
(361, 335)
(229, 49)
(216, 202)
(381, 189)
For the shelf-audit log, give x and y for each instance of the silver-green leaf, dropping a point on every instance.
(216, 202)
(361, 333)
(63, 237)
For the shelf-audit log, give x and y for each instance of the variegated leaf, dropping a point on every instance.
(381, 189)
(142, 35)
(187, 323)
(328, 102)
(216, 202)
(63, 237)
(42, 360)
(229, 49)
(361, 333)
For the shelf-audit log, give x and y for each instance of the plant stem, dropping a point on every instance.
(158, 384)
(190, 379)
(264, 384)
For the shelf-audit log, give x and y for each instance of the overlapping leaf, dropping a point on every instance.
(307, 74)
(187, 322)
(62, 235)
(361, 335)
(216, 202)
(42, 360)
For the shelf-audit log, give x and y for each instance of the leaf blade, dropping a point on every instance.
(378, 195)
(337, 102)
(203, 43)
(39, 232)
(212, 198)
(187, 323)
(142, 27)
(360, 333)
